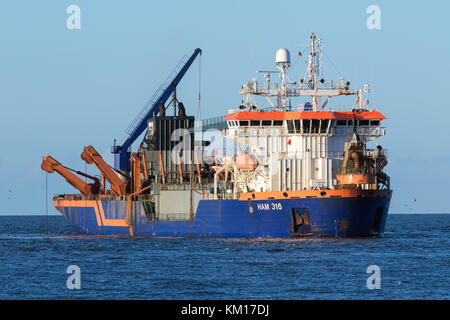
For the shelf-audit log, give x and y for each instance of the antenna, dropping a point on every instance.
(283, 62)
(267, 76)
(314, 70)
(311, 85)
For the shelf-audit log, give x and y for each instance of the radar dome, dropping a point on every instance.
(283, 56)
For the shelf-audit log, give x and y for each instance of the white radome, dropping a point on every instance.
(283, 56)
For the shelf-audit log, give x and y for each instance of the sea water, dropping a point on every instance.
(38, 256)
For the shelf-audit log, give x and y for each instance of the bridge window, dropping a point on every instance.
(324, 126)
(243, 123)
(290, 125)
(266, 122)
(277, 122)
(315, 125)
(306, 126)
(341, 122)
(297, 126)
(375, 122)
(363, 122)
(254, 123)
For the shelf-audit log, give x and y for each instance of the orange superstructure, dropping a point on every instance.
(339, 115)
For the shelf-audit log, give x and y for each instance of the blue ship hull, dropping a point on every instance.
(280, 218)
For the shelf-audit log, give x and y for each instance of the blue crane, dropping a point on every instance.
(121, 153)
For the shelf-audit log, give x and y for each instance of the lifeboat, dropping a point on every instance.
(246, 162)
(355, 178)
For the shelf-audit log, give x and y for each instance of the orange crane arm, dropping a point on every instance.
(118, 186)
(50, 165)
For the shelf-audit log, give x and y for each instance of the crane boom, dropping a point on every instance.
(51, 165)
(118, 186)
(121, 154)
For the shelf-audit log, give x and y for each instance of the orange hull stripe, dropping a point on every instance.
(94, 204)
(99, 221)
(343, 193)
(111, 222)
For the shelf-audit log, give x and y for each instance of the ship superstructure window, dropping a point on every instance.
(375, 122)
(297, 126)
(341, 122)
(277, 123)
(315, 125)
(265, 123)
(306, 126)
(312, 126)
(294, 126)
(290, 126)
(324, 125)
(363, 122)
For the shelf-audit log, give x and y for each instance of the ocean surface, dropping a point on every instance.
(413, 258)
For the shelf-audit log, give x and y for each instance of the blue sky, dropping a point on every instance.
(63, 89)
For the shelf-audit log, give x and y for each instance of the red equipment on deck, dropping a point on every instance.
(50, 165)
(118, 186)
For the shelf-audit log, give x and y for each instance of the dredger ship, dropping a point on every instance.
(286, 170)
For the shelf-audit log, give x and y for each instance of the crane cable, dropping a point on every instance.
(46, 200)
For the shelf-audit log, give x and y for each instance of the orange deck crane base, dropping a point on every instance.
(118, 186)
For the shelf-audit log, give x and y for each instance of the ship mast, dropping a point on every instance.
(314, 71)
(283, 62)
(310, 85)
